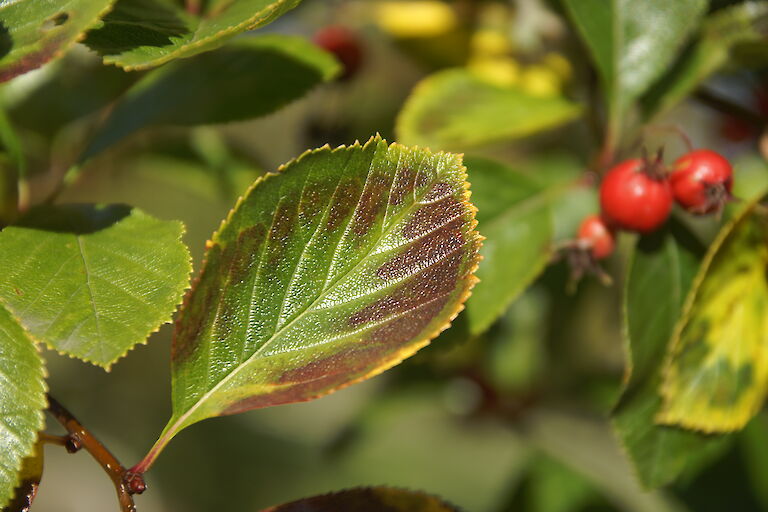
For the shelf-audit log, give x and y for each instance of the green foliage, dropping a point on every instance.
(514, 212)
(661, 272)
(140, 34)
(716, 377)
(93, 281)
(29, 480)
(722, 33)
(22, 400)
(632, 43)
(456, 110)
(32, 32)
(180, 93)
(371, 499)
(339, 267)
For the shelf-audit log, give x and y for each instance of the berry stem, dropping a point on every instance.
(123, 480)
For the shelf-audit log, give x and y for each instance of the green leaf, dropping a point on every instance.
(22, 401)
(722, 33)
(93, 281)
(632, 43)
(716, 376)
(453, 109)
(32, 32)
(330, 272)
(370, 499)
(251, 77)
(140, 34)
(661, 272)
(514, 214)
(29, 477)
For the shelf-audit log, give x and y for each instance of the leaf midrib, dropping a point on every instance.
(179, 423)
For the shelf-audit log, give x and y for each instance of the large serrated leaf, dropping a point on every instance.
(514, 212)
(454, 109)
(22, 401)
(249, 78)
(370, 499)
(93, 281)
(661, 272)
(140, 34)
(32, 32)
(631, 42)
(716, 375)
(328, 273)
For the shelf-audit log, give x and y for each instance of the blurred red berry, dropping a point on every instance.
(345, 45)
(597, 236)
(635, 195)
(701, 181)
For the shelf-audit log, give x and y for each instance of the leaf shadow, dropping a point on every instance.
(79, 219)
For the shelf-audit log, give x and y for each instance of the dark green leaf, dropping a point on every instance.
(661, 272)
(631, 42)
(93, 281)
(369, 499)
(32, 32)
(341, 266)
(22, 401)
(454, 109)
(721, 33)
(140, 34)
(248, 78)
(514, 216)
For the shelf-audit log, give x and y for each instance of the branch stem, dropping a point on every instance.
(121, 478)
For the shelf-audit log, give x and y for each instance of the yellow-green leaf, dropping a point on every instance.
(716, 376)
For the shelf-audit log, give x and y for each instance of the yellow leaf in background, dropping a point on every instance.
(716, 376)
(501, 71)
(426, 18)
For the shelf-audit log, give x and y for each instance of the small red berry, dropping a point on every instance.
(345, 45)
(635, 195)
(702, 181)
(597, 236)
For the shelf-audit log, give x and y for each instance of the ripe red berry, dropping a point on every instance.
(345, 45)
(635, 195)
(701, 181)
(597, 236)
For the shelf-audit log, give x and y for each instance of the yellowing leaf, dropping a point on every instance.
(716, 376)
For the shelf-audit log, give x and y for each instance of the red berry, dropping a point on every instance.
(701, 181)
(345, 45)
(636, 196)
(597, 236)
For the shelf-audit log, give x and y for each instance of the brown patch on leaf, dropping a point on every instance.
(436, 245)
(279, 236)
(432, 215)
(244, 252)
(32, 60)
(344, 202)
(372, 202)
(437, 191)
(425, 286)
(404, 184)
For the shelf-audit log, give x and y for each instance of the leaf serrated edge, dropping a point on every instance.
(43, 379)
(664, 416)
(251, 23)
(107, 367)
(62, 49)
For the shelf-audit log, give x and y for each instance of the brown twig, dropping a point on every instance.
(126, 483)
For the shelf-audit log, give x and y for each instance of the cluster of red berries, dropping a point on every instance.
(637, 195)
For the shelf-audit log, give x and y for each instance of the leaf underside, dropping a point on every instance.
(22, 401)
(140, 34)
(93, 281)
(716, 376)
(330, 272)
(32, 32)
(370, 499)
